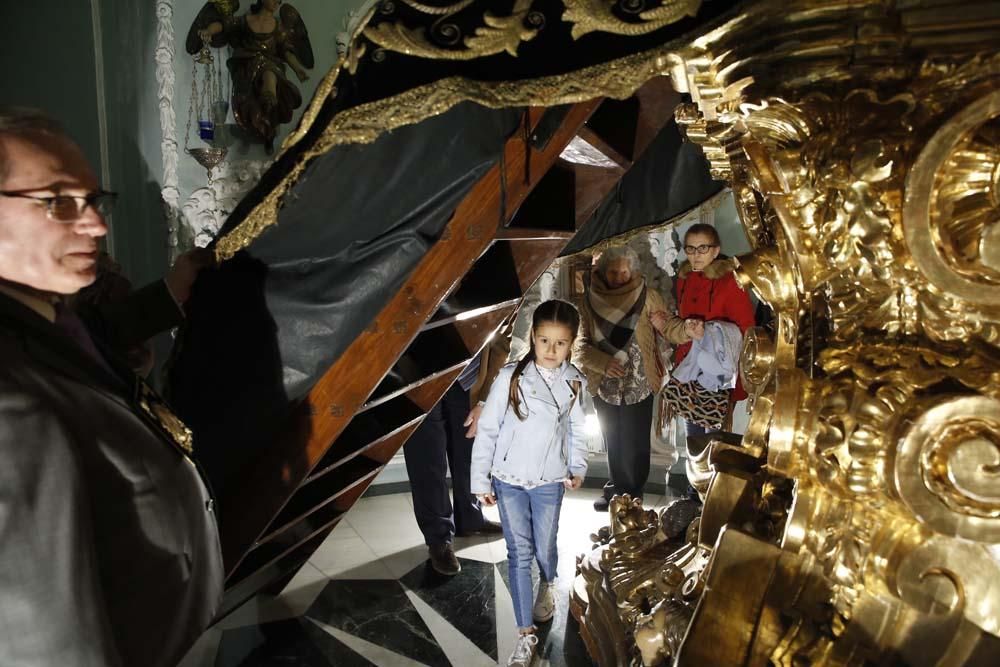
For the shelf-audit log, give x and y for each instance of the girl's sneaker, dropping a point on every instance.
(545, 604)
(524, 652)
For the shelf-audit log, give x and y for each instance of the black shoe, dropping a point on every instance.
(443, 559)
(601, 504)
(487, 528)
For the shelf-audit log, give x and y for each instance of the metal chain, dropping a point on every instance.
(191, 100)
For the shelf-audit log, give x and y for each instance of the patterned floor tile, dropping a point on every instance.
(466, 600)
(378, 612)
(292, 642)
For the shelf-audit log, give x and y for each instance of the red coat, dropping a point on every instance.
(713, 294)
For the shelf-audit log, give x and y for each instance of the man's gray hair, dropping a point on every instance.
(21, 121)
(617, 253)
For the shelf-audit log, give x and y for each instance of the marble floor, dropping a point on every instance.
(369, 597)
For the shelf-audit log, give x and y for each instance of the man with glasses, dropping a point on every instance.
(109, 549)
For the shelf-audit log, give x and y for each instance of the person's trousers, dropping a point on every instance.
(626, 435)
(437, 444)
(530, 519)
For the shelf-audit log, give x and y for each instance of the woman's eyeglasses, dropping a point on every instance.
(70, 208)
(699, 249)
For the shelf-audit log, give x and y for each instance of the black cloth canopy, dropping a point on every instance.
(264, 326)
(670, 177)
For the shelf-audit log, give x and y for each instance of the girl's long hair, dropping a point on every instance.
(553, 311)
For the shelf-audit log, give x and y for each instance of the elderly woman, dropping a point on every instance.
(618, 351)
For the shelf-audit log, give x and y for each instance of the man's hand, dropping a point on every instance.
(659, 320)
(472, 421)
(615, 369)
(694, 328)
(183, 273)
(487, 498)
(573, 483)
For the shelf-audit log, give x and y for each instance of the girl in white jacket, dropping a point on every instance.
(531, 442)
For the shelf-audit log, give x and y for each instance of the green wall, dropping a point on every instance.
(48, 60)
(139, 226)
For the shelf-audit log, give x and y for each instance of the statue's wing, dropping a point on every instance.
(213, 11)
(296, 36)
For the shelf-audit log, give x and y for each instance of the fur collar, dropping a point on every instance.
(720, 267)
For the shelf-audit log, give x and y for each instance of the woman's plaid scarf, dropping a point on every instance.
(615, 312)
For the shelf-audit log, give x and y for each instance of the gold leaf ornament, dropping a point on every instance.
(598, 16)
(154, 406)
(226, 7)
(952, 206)
(947, 467)
(498, 34)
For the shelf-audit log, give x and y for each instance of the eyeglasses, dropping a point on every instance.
(699, 249)
(70, 208)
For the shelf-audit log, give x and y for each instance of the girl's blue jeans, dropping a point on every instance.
(530, 519)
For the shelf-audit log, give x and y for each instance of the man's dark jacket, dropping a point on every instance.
(109, 552)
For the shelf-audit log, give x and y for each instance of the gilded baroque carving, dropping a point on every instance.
(498, 34)
(641, 581)
(871, 196)
(604, 15)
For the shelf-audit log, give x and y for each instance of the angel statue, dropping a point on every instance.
(263, 40)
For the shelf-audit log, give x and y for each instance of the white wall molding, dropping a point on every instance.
(165, 78)
(207, 207)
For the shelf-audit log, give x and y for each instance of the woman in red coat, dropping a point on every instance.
(707, 291)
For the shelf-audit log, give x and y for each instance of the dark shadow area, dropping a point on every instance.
(225, 373)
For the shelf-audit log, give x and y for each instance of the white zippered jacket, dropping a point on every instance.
(549, 444)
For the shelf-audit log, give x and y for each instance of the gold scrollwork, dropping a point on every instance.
(439, 11)
(757, 360)
(871, 195)
(950, 214)
(497, 35)
(954, 449)
(598, 15)
(363, 124)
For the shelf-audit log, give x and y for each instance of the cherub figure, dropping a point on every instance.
(264, 40)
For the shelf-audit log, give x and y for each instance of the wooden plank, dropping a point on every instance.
(508, 305)
(527, 234)
(396, 436)
(313, 497)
